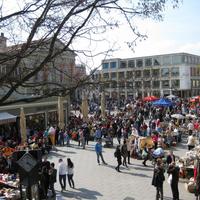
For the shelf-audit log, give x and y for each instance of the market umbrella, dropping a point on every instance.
(150, 98)
(177, 116)
(103, 111)
(84, 109)
(60, 113)
(171, 96)
(163, 102)
(23, 126)
(191, 116)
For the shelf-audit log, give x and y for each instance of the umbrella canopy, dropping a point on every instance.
(60, 113)
(163, 102)
(191, 116)
(171, 96)
(23, 126)
(177, 116)
(103, 113)
(150, 98)
(84, 109)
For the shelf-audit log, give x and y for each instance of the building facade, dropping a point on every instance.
(158, 75)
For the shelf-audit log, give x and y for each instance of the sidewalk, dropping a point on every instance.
(102, 182)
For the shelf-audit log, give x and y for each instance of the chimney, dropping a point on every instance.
(3, 41)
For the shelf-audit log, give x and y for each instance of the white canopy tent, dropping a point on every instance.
(7, 118)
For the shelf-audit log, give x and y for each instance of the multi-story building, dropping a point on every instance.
(176, 73)
(59, 70)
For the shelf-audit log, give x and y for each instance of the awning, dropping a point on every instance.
(7, 118)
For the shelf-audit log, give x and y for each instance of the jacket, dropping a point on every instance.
(158, 177)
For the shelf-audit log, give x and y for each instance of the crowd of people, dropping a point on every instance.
(138, 120)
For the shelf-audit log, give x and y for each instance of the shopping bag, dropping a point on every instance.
(169, 180)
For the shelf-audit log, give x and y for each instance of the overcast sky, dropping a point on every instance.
(178, 32)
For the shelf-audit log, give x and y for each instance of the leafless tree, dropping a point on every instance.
(43, 32)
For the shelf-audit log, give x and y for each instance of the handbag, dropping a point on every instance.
(169, 180)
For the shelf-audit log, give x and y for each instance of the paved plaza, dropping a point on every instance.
(102, 182)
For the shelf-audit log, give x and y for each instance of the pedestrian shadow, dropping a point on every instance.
(82, 193)
(70, 152)
(136, 174)
(169, 198)
(122, 168)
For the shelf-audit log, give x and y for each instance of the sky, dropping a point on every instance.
(178, 32)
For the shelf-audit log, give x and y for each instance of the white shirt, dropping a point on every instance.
(70, 170)
(190, 126)
(62, 168)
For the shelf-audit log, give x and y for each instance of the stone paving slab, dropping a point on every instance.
(102, 182)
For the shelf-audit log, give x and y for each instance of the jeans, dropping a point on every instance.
(62, 180)
(70, 180)
(159, 193)
(100, 155)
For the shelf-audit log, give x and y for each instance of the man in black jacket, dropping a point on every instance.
(174, 171)
(52, 178)
(158, 179)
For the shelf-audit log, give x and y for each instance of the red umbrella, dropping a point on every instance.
(150, 98)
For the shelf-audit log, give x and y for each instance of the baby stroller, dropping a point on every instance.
(157, 154)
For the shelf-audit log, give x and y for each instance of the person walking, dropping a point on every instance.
(62, 169)
(158, 179)
(145, 154)
(98, 149)
(70, 172)
(124, 153)
(117, 154)
(191, 141)
(52, 179)
(170, 157)
(173, 170)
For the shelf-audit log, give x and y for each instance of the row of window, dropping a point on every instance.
(165, 72)
(145, 84)
(195, 83)
(154, 61)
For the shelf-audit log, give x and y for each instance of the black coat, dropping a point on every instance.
(158, 177)
(174, 170)
(170, 159)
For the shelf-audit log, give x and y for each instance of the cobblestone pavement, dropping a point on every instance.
(102, 182)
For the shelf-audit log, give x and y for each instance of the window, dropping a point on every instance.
(166, 60)
(175, 71)
(156, 84)
(148, 62)
(121, 75)
(106, 75)
(138, 84)
(147, 84)
(105, 65)
(129, 85)
(138, 73)
(139, 63)
(114, 84)
(177, 59)
(122, 85)
(155, 72)
(129, 74)
(113, 65)
(106, 85)
(165, 72)
(131, 63)
(113, 75)
(165, 84)
(156, 61)
(122, 64)
(146, 73)
(175, 84)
